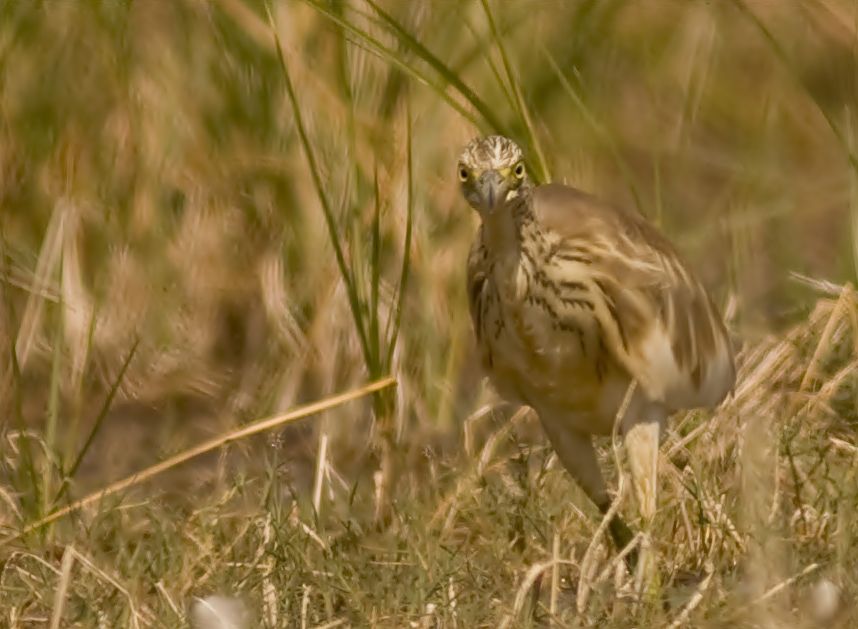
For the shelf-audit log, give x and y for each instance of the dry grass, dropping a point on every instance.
(170, 271)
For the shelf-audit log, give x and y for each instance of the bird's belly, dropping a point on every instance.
(539, 361)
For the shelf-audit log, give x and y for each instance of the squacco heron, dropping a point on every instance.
(576, 303)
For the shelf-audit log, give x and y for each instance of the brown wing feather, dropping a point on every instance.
(658, 321)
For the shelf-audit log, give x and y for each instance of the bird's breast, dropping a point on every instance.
(541, 339)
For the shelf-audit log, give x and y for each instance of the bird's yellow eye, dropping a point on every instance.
(518, 171)
(463, 174)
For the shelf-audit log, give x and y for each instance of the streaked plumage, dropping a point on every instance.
(571, 300)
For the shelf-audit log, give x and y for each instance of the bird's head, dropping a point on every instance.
(491, 171)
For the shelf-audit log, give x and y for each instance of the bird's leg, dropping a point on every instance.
(642, 440)
(575, 450)
(622, 536)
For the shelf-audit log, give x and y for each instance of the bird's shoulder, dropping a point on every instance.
(569, 213)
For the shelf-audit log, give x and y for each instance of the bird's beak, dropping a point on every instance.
(493, 190)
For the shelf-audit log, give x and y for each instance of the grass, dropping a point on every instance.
(216, 212)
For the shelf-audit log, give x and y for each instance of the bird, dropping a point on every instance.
(582, 310)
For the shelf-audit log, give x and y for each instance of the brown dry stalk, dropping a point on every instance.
(839, 311)
(533, 573)
(207, 446)
(62, 588)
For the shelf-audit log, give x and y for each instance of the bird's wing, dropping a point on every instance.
(656, 318)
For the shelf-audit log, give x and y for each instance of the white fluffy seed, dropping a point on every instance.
(825, 600)
(219, 612)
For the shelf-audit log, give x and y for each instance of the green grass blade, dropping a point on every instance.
(543, 173)
(373, 45)
(492, 66)
(440, 67)
(343, 79)
(351, 288)
(396, 314)
(99, 420)
(375, 267)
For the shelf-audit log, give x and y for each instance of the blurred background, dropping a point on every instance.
(153, 186)
(169, 269)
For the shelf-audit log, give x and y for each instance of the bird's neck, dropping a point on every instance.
(504, 229)
(509, 238)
